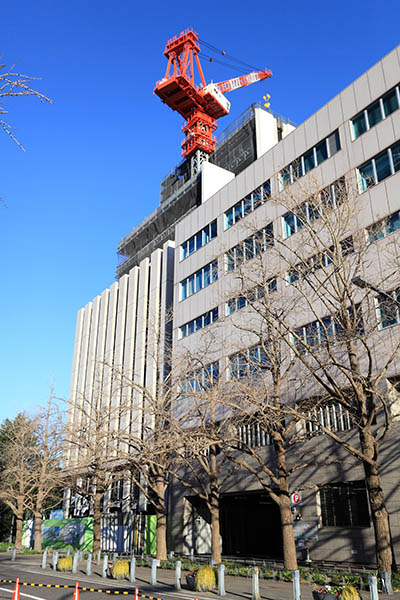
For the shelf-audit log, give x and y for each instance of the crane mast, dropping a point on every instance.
(200, 106)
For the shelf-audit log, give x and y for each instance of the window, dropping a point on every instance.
(310, 159)
(257, 293)
(249, 248)
(388, 310)
(200, 379)
(247, 204)
(202, 237)
(199, 322)
(252, 435)
(375, 112)
(307, 212)
(332, 416)
(384, 227)
(199, 280)
(376, 169)
(344, 504)
(247, 362)
(334, 328)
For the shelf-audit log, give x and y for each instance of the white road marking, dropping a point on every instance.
(22, 594)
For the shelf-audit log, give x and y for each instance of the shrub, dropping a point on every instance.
(64, 564)
(318, 578)
(267, 573)
(353, 580)
(3, 546)
(287, 575)
(350, 593)
(205, 579)
(305, 574)
(120, 569)
(396, 582)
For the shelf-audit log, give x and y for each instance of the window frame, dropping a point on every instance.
(383, 112)
(247, 205)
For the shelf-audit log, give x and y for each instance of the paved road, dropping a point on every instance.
(28, 569)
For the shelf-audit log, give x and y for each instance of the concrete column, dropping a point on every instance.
(255, 585)
(178, 573)
(221, 580)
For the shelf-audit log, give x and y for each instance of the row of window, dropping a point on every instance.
(199, 322)
(310, 210)
(384, 227)
(319, 261)
(310, 159)
(252, 246)
(376, 112)
(257, 293)
(199, 280)
(248, 204)
(247, 362)
(333, 328)
(332, 416)
(379, 167)
(200, 239)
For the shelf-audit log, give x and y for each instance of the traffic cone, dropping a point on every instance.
(76, 592)
(16, 595)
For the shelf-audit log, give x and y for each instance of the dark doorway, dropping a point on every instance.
(250, 525)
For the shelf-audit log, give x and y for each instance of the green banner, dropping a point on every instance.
(63, 533)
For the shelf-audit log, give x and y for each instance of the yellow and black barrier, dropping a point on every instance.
(81, 588)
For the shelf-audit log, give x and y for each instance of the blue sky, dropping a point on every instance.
(95, 157)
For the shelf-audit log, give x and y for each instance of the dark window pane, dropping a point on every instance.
(191, 245)
(309, 161)
(297, 169)
(207, 275)
(199, 323)
(347, 246)
(382, 165)
(215, 314)
(393, 223)
(359, 125)
(229, 218)
(207, 319)
(395, 149)
(334, 143)
(366, 172)
(241, 302)
(199, 280)
(231, 306)
(184, 250)
(199, 240)
(238, 212)
(257, 200)
(288, 225)
(322, 152)
(247, 206)
(374, 113)
(285, 177)
(272, 286)
(390, 102)
(266, 188)
(190, 327)
(214, 229)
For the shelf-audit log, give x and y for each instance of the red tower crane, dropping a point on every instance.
(199, 106)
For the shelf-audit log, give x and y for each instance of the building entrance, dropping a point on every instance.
(250, 525)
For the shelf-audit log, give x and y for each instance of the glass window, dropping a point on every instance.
(366, 172)
(238, 212)
(285, 177)
(347, 246)
(207, 275)
(272, 285)
(297, 169)
(388, 311)
(241, 302)
(199, 240)
(214, 271)
(215, 314)
(199, 323)
(322, 152)
(190, 327)
(184, 289)
(374, 113)
(184, 251)
(247, 205)
(206, 235)
(334, 143)
(359, 125)
(214, 229)
(395, 149)
(191, 245)
(288, 225)
(230, 260)
(309, 160)
(183, 331)
(266, 190)
(229, 218)
(207, 319)
(393, 223)
(390, 102)
(382, 164)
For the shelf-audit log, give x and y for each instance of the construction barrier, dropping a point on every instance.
(81, 589)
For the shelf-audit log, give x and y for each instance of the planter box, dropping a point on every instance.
(191, 582)
(324, 596)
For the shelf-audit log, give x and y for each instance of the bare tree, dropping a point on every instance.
(14, 84)
(47, 455)
(331, 330)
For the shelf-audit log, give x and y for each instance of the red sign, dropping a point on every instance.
(295, 498)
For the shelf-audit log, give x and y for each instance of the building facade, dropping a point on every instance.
(214, 221)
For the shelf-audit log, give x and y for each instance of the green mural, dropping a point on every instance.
(75, 533)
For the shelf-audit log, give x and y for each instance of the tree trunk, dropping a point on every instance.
(214, 507)
(96, 521)
(37, 544)
(289, 546)
(379, 514)
(161, 535)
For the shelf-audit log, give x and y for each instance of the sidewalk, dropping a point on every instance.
(235, 587)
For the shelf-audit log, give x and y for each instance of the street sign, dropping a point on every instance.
(295, 499)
